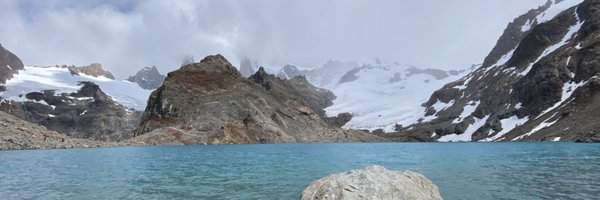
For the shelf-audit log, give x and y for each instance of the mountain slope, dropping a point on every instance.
(544, 89)
(10, 64)
(212, 103)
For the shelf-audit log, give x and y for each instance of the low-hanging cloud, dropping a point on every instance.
(128, 35)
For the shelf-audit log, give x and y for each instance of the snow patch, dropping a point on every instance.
(556, 139)
(519, 106)
(8, 66)
(527, 26)
(566, 38)
(467, 111)
(541, 126)
(467, 135)
(508, 124)
(505, 58)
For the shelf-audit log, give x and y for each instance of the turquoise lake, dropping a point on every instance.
(282, 171)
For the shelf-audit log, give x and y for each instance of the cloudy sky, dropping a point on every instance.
(126, 35)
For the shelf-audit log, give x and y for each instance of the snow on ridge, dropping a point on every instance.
(556, 9)
(540, 126)
(566, 38)
(468, 134)
(36, 79)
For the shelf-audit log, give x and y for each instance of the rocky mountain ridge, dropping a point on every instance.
(212, 103)
(544, 89)
(10, 64)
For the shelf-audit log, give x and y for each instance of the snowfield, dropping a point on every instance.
(383, 96)
(36, 79)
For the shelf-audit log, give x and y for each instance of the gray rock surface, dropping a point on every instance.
(148, 78)
(373, 182)
(212, 103)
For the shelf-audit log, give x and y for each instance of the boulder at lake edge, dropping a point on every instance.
(373, 182)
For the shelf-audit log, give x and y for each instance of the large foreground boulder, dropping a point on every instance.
(373, 182)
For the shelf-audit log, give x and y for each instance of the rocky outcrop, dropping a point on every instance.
(544, 89)
(95, 70)
(373, 182)
(148, 78)
(88, 113)
(17, 134)
(212, 103)
(9, 64)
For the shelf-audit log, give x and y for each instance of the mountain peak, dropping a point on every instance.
(148, 78)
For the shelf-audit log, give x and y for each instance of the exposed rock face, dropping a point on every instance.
(545, 89)
(212, 103)
(88, 113)
(16, 134)
(9, 64)
(373, 182)
(148, 78)
(94, 70)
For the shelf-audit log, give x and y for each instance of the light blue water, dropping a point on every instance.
(461, 170)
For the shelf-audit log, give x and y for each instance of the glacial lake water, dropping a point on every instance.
(461, 170)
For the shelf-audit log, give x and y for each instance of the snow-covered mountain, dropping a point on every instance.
(540, 83)
(62, 80)
(383, 96)
(379, 96)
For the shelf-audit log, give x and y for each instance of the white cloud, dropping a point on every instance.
(128, 35)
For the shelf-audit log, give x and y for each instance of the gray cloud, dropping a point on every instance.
(128, 35)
